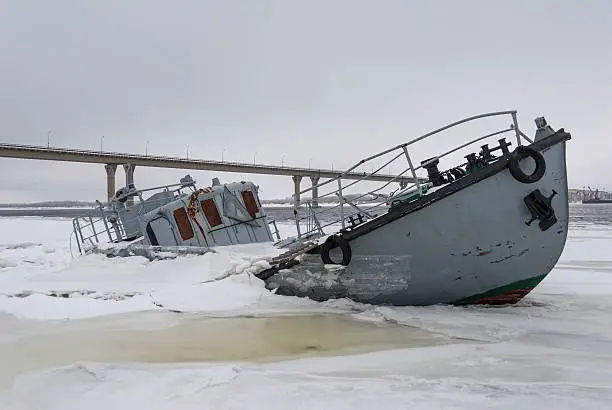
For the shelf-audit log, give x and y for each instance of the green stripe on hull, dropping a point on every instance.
(525, 285)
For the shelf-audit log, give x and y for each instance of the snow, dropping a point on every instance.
(552, 350)
(42, 281)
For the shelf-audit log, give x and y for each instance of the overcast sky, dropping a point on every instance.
(325, 82)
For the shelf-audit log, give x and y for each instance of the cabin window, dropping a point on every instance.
(182, 221)
(250, 203)
(212, 213)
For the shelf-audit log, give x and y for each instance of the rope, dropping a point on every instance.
(192, 209)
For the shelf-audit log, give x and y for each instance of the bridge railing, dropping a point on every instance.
(351, 206)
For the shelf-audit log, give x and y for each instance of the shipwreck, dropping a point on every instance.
(483, 222)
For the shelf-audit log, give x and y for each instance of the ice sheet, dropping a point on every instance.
(552, 350)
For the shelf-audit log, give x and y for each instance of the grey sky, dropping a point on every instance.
(320, 81)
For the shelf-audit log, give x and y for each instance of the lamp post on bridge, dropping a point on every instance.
(187, 147)
(101, 143)
(48, 138)
(147, 149)
(254, 154)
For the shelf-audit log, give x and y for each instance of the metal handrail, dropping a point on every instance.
(422, 137)
(403, 151)
(325, 225)
(87, 233)
(475, 140)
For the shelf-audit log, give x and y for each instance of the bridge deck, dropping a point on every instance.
(98, 157)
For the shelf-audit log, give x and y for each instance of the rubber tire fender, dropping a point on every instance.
(520, 153)
(336, 242)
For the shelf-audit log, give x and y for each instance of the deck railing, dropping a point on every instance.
(350, 208)
(104, 224)
(107, 223)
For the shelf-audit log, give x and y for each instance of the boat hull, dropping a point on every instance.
(597, 201)
(470, 246)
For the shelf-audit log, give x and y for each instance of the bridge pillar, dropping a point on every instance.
(296, 183)
(315, 190)
(129, 179)
(110, 179)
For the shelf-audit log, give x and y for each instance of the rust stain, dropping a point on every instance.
(506, 298)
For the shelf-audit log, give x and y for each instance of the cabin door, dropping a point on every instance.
(161, 232)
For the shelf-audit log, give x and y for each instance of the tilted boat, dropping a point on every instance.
(486, 228)
(487, 231)
(175, 219)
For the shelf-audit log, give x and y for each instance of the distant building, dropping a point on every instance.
(577, 195)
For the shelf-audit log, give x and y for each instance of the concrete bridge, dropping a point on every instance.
(111, 160)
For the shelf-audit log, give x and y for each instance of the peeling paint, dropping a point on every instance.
(521, 253)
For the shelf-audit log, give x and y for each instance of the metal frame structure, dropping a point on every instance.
(105, 222)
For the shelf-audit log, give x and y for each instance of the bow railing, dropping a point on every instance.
(370, 201)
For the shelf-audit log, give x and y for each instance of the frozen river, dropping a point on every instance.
(202, 333)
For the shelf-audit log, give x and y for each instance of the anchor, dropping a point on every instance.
(541, 208)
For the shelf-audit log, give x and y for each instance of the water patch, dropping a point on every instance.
(167, 338)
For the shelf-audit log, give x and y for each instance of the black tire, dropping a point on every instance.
(520, 153)
(335, 242)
